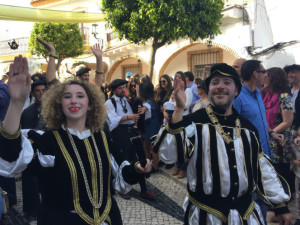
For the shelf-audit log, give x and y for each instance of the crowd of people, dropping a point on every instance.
(234, 135)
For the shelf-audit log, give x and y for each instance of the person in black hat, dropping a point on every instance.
(120, 121)
(226, 163)
(83, 73)
(38, 76)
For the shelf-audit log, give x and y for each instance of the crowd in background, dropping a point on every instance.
(269, 98)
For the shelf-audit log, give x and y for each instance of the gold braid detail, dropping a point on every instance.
(75, 189)
(9, 135)
(219, 128)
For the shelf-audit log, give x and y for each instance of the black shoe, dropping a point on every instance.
(169, 166)
(153, 171)
(161, 163)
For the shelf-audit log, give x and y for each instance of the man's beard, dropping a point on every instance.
(223, 105)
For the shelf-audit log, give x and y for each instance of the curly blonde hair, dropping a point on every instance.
(52, 112)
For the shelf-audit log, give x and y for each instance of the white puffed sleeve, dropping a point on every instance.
(167, 145)
(112, 118)
(118, 182)
(275, 188)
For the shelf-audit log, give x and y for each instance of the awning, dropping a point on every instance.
(44, 15)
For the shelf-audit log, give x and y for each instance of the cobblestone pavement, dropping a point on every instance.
(165, 210)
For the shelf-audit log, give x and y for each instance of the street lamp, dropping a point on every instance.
(13, 45)
(95, 33)
(209, 45)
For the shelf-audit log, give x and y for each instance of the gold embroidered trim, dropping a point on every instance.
(9, 135)
(279, 206)
(94, 177)
(171, 131)
(249, 210)
(208, 209)
(74, 181)
(219, 128)
(108, 220)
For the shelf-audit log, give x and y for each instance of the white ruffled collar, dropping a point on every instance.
(82, 135)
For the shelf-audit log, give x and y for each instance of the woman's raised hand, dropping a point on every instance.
(180, 96)
(19, 82)
(49, 46)
(97, 50)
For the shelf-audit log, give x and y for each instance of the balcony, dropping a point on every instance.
(6, 50)
(38, 3)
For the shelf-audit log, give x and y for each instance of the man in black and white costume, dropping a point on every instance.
(226, 163)
(120, 120)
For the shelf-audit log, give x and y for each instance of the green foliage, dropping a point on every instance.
(163, 20)
(65, 37)
(166, 20)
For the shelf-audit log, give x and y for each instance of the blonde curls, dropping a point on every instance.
(52, 112)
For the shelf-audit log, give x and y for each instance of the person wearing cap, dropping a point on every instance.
(128, 75)
(120, 120)
(83, 73)
(226, 163)
(31, 119)
(293, 72)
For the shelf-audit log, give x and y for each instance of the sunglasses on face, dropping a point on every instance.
(133, 85)
(163, 81)
(261, 71)
(199, 87)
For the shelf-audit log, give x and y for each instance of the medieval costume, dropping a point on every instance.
(76, 171)
(226, 165)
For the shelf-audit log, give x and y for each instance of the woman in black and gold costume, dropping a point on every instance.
(74, 159)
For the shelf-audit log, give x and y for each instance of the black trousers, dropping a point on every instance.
(9, 185)
(30, 191)
(121, 135)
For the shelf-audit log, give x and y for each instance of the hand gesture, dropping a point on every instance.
(19, 82)
(97, 50)
(166, 116)
(278, 137)
(134, 117)
(49, 46)
(142, 110)
(180, 96)
(147, 167)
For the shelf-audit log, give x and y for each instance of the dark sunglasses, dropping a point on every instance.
(199, 87)
(163, 81)
(261, 71)
(133, 85)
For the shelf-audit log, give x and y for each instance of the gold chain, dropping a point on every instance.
(215, 121)
(87, 186)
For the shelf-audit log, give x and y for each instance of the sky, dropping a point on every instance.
(14, 29)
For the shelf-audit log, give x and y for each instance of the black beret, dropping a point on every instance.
(39, 75)
(37, 83)
(116, 83)
(83, 71)
(289, 68)
(225, 70)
